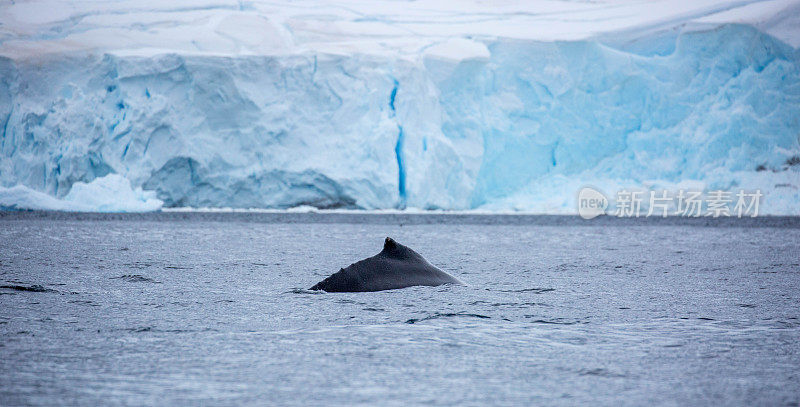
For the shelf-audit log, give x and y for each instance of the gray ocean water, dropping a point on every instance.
(212, 309)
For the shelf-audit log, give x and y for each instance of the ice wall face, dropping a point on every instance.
(707, 106)
(514, 124)
(206, 131)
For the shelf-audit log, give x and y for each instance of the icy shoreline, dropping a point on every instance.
(449, 121)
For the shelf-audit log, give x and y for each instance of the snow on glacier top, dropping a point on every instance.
(403, 28)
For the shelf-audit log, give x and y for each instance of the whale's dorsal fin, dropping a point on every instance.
(389, 244)
(396, 250)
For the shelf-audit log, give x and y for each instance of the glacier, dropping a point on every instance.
(374, 106)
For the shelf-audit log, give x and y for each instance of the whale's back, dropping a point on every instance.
(396, 266)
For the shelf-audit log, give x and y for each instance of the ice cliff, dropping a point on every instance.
(391, 105)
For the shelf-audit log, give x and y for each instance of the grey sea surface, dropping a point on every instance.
(213, 309)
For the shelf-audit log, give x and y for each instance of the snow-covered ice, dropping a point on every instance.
(385, 104)
(111, 193)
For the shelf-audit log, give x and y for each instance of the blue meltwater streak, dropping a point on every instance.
(398, 150)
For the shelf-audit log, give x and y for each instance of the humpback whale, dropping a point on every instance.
(396, 266)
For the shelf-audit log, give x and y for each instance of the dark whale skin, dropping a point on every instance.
(396, 266)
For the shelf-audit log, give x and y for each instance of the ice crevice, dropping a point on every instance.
(398, 148)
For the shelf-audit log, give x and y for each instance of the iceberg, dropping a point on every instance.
(377, 105)
(111, 193)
